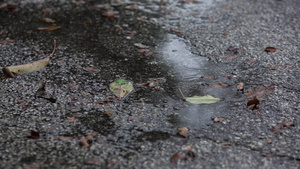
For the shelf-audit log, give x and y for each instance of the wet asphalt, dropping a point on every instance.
(77, 122)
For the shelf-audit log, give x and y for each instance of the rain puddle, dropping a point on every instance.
(194, 75)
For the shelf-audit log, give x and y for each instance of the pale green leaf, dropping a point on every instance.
(121, 88)
(202, 99)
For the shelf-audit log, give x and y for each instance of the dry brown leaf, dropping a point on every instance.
(226, 144)
(286, 123)
(111, 14)
(183, 131)
(47, 10)
(277, 129)
(91, 69)
(50, 28)
(216, 119)
(176, 31)
(177, 157)
(48, 20)
(86, 141)
(218, 85)
(3, 5)
(6, 41)
(260, 91)
(71, 119)
(232, 48)
(251, 62)
(31, 166)
(3, 32)
(269, 141)
(270, 49)
(252, 104)
(278, 67)
(232, 56)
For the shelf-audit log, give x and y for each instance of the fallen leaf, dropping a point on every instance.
(71, 120)
(232, 56)
(101, 6)
(33, 66)
(50, 28)
(269, 141)
(277, 129)
(270, 49)
(47, 10)
(266, 155)
(6, 41)
(252, 104)
(202, 99)
(31, 166)
(260, 91)
(278, 67)
(216, 119)
(190, 152)
(176, 31)
(145, 52)
(286, 123)
(132, 7)
(12, 9)
(91, 69)
(218, 85)
(121, 88)
(111, 14)
(232, 48)
(48, 20)
(3, 32)
(118, 27)
(141, 46)
(7, 73)
(143, 18)
(3, 5)
(86, 141)
(129, 32)
(183, 131)
(147, 84)
(251, 62)
(34, 135)
(64, 138)
(240, 86)
(226, 144)
(93, 161)
(176, 157)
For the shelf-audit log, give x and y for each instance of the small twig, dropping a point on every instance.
(181, 93)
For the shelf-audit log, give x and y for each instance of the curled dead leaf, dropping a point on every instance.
(111, 14)
(216, 119)
(252, 104)
(183, 131)
(270, 49)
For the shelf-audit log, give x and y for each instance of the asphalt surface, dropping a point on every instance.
(79, 123)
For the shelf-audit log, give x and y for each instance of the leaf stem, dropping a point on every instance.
(181, 93)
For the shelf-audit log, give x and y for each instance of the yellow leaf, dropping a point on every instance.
(30, 67)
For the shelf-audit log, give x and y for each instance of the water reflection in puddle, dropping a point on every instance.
(188, 70)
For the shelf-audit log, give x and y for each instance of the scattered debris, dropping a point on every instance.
(270, 49)
(183, 131)
(253, 104)
(34, 135)
(216, 119)
(260, 91)
(50, 28)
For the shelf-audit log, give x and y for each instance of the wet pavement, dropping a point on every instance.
(172, 44)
